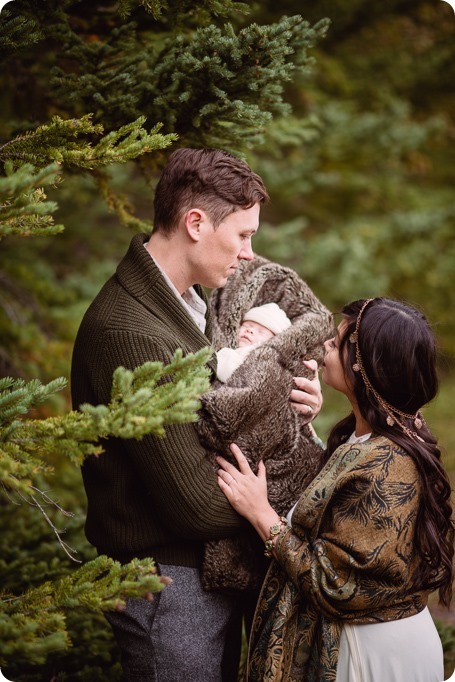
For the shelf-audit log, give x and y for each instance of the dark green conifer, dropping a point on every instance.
(96, 95)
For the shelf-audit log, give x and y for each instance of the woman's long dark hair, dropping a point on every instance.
(399, 356)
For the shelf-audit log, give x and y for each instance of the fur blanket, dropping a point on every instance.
(253, 410)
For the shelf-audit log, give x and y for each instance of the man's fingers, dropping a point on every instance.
(313, 365)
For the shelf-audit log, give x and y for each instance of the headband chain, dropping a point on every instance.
(393, 413)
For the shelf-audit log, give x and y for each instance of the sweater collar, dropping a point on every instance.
(138, 274)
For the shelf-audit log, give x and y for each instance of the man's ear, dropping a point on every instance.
(193, 219)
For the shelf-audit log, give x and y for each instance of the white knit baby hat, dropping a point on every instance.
(270, 315)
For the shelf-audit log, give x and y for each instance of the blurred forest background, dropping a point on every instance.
(346, 109)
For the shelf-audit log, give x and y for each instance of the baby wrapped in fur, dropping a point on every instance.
(253, 410)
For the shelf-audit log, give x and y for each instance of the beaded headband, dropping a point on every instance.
(393, 413)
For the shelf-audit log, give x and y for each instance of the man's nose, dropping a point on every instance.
(246, 252)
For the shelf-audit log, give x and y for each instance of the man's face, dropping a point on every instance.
(252, 332)
(222, 249)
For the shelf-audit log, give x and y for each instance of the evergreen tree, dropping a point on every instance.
(367, 186)
(94, 96)
(33, 621)
(355, 148)
(111, 84)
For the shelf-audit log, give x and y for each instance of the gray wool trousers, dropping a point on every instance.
(180, 636)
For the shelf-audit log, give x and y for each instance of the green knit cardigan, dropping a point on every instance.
(158, 496)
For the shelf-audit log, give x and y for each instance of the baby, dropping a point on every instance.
(258, 325)
(249, 404)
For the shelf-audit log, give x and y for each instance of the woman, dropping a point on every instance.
(371, 537)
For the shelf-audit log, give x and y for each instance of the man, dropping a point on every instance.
(159, 497)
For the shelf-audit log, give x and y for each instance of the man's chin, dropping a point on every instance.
(216, 284)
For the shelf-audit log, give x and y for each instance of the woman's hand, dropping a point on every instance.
(307, 397)
(246, 491)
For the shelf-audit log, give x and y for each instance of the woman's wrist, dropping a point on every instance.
(274, 532)
(264, 521)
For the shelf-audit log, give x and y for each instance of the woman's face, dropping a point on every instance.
(332, 369)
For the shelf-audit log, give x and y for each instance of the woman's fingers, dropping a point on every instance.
(262, 472)
(224, 478)
(241, 459)
(228, 471)
(224, 464)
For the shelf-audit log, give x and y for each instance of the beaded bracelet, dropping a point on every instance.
(274, 531)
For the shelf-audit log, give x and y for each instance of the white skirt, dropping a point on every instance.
(407, 650)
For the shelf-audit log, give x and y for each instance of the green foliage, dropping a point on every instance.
(447, 634)
(371, 181)
(439, 414)
(220, 87)
(18, 32)
(28, 557)
(354, 146)
(200, 84)
(52, 142)
(101, 584)
(23, 206)
(180, 10)
(33, 621)
(141, 403)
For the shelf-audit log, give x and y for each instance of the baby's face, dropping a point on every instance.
(253, 332)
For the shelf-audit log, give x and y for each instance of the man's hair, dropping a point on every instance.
(210, 179)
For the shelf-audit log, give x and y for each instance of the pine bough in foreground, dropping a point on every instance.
(143, 401)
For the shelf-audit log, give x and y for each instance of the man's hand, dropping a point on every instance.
(307, 397)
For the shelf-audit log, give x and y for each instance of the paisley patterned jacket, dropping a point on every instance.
(349, 557)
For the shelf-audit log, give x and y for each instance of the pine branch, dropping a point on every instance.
(23, 206)
(52, 142)
(180, 10)
(18, 396)
(119, 203)
(17, 32)
(211, 86)
(108, 75)
(217, 85)
(33, 624)
(143, 401)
